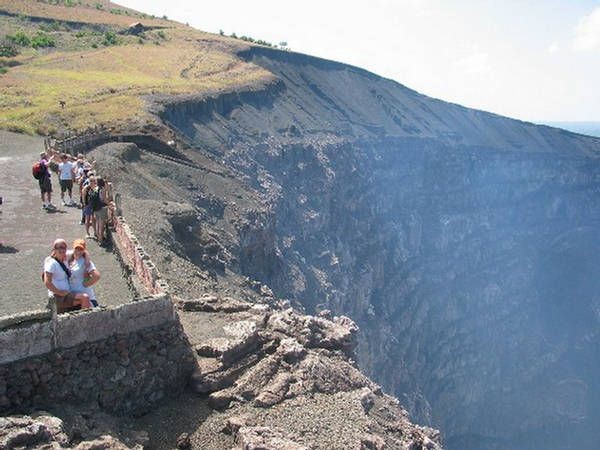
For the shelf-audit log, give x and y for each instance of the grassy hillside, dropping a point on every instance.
(84, 54)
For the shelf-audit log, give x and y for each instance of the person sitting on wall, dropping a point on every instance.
(56, 278)
(83, 271)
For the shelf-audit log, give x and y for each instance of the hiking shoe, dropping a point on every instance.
(64, 203)
(50, 206)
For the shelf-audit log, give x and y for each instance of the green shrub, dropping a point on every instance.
(140, 41)
(8, 49)
(251, 39)
(20, 38)
(99, 6)
(42, 40)
(265, 43)
(94, 45)
(3, 70)
(161, 34)
(110, 38)
(80, 34)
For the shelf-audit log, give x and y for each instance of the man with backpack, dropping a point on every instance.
(41, 172)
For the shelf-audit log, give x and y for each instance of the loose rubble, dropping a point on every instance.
(46, 432)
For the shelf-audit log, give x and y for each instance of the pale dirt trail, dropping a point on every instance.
(27, 232)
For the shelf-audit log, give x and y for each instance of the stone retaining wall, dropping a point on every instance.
(131, 250)
(125, 358)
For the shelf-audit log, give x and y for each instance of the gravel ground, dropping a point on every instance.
(27, 232)
(329, 422)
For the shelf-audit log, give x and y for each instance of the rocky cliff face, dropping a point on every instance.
(464, 244)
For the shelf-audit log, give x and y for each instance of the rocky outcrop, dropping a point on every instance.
(264, 358)
(44, 431)
(274, 355)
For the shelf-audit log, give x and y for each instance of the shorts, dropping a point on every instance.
(66, 303)
(101, 214)
(66, 184)
(87, 210)
(45, 185)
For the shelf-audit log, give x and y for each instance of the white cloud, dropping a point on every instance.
(474, 64)
(587, 33)
(553, 48)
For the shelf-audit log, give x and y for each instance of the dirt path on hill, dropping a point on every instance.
(27, 232)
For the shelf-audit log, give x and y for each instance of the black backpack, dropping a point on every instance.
(95, 200)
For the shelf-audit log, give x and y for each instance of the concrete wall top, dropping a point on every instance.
(89, 326)
(36, 338)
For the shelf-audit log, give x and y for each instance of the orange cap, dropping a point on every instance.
(79, 243)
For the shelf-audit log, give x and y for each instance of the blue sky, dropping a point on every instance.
(532, 60)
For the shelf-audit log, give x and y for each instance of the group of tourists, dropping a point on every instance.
(95, 196)
(69, 274)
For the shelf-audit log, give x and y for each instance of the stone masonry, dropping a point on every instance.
(125, 359)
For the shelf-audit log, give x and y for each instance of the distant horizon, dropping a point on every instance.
(590, 128)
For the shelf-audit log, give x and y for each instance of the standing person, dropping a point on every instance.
(88, 215)
(56, 278)
(44, 180)
(81, 177)
(98, 202)
(66, 171)
(83, 271)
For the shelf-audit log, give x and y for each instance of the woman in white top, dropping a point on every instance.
(83, 271)
(57, 278)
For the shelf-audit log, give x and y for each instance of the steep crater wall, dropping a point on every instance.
(461, 242)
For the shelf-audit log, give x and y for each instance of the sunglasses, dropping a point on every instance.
(60, 247)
